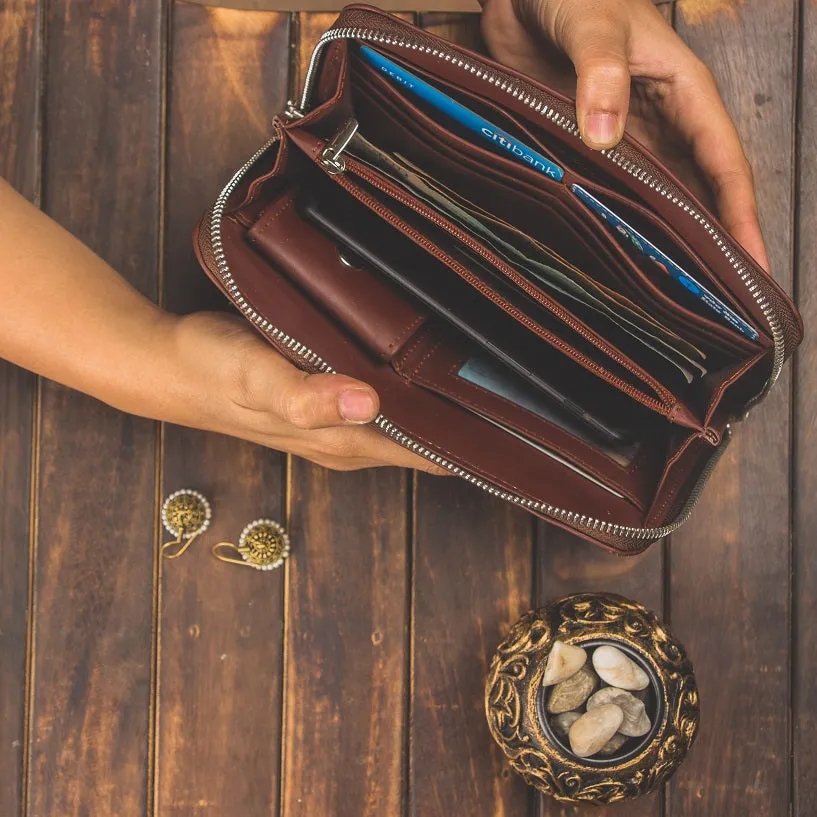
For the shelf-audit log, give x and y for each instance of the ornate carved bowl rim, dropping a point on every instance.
(512, 696)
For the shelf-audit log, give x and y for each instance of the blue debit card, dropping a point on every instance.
(666, 263)
(502, 141)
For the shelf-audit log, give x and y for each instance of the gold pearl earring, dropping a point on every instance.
(263, 544)
(185, 515)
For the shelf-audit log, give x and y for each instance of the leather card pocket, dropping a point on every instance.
(373, 311)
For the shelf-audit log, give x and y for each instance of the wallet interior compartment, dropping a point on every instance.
(399, 104)
(654, 229)
(380, 91)
(482, 290)
(392, 129)
(497, 280)
(530, 126)
(582, 241)
(444, 364)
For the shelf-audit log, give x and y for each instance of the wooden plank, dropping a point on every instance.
(345, 727)
(346, 643)
(96, 528)
(337, 5)
(804, 563)
(730, 565)
(472, 579)
(20, 130)
(310, 28)
(220, 649)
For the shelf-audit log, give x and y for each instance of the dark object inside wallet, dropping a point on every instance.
(569, 330)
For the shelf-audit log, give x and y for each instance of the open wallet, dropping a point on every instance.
(567, 329)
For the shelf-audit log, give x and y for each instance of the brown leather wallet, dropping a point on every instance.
(578, 343)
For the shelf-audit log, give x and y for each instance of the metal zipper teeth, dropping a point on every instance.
(314, 360)
(571, 127)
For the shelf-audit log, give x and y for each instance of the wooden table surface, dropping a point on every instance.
(351, 682)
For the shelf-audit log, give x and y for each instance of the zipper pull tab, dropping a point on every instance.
(331, 157)
(292, 112)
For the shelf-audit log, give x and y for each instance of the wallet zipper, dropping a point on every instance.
(513, 89)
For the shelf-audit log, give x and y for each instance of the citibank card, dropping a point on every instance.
(502, 141)
(646, 247)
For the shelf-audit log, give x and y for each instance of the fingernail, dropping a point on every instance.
(602, 128)
(357, 405)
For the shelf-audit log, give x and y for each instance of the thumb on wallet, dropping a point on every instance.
(323, 400)
(597, 44)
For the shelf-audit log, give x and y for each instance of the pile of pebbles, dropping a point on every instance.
(596, 704)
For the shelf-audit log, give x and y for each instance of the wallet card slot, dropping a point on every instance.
(619, 268)
(372, 310)
(399, 103)
(526, 128)
(661, 234)
(584, 252)
(619, 340)
(437, 366)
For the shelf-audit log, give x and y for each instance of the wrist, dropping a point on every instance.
(201, 371)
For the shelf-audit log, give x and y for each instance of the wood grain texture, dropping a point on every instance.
(310, 27)
(20, 132)
(347, 643)
(804, 563)
(347, 634)
(94, 579)
(220, 642)
(730, 563)
(473, 560)
(472, 580)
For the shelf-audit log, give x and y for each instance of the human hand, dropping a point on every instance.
(237, 384)
(628, 65)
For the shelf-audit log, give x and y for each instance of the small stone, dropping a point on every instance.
(618, 670)
(636, 722)
(562, 722)
(563, 661)
(613, 745)
(574, 691)
(594, 729)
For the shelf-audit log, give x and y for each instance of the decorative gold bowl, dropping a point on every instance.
(514, 699)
